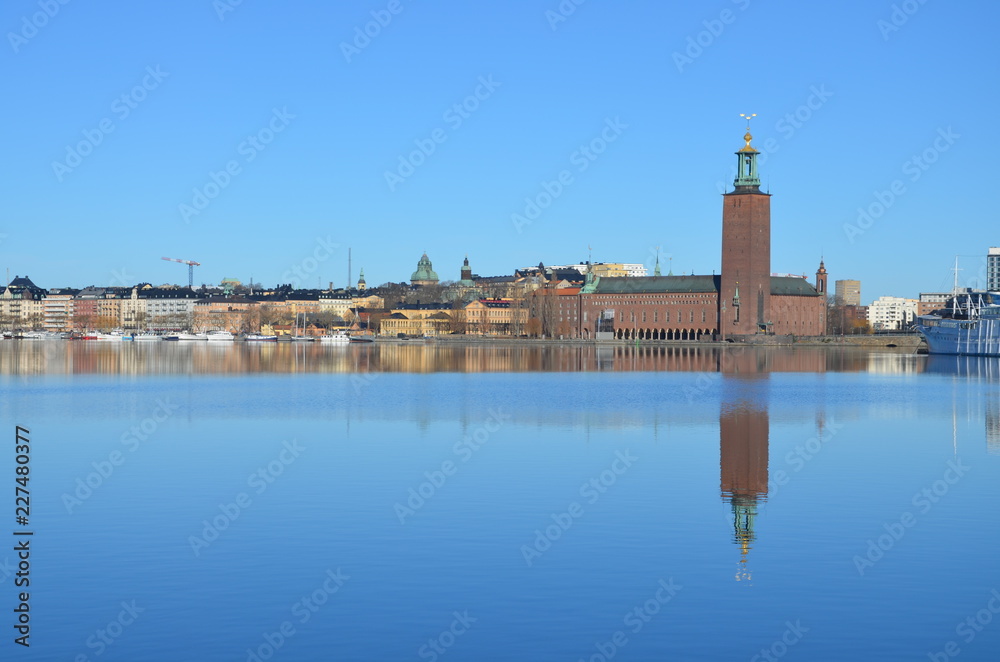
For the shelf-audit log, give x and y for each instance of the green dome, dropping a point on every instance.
(425, 271)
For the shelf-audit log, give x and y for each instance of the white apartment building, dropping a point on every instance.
(993, 269)
(892, 313)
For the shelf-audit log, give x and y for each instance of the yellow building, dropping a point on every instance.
(418, 320)
(495, 317)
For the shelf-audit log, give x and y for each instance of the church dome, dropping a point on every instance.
(425, 274)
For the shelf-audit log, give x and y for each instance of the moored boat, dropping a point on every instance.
(187, 336)
(336, 337)
(256, 337)
(971, 326)
(220, 336)
(114, 336)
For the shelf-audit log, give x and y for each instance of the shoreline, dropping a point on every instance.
(900, 341)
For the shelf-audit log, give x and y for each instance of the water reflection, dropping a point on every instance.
(743, 460)
(127, 358)
(975, 370)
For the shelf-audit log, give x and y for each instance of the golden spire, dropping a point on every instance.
(748, 137)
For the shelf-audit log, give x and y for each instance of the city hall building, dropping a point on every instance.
(746, 299)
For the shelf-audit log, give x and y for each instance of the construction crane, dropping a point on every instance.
(191, 266)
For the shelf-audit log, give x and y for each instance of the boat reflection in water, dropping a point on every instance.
(269, 357)
(975, 369)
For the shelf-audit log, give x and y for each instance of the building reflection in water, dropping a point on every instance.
(743, 438)
(128, 358)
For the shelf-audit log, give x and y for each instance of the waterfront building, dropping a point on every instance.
(58, 309)
(336, 304)
(418, 319)
(609, 269)
(848, 292)
(22, 305)
(235, 314)
(928, 302)
(168, 309)
(495, 317)
(98, 308)
(993, 269)
(745, 299)
(891, 313)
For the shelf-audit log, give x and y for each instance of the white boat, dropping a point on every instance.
(256, 337)
(114, 336)
(337, 337)
(971, 327)
(187, 336)
(220, 336)
(146, 337)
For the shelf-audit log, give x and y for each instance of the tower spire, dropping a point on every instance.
(747, 177)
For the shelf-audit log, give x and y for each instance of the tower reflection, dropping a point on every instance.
(743, 456)
(743, 439)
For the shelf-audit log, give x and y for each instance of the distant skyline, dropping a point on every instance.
(260, 139)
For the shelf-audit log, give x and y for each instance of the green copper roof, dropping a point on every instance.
(654, 284)
(792, 286)
(425, 270)
(781, 285)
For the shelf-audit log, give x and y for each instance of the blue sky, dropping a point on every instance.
(121, 115)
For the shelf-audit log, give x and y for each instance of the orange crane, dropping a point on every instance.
(191, 266)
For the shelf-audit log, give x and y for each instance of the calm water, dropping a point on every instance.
(515, 503)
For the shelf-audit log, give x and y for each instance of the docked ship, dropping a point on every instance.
(970, 326)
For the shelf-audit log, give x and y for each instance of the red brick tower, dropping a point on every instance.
(745, 293)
